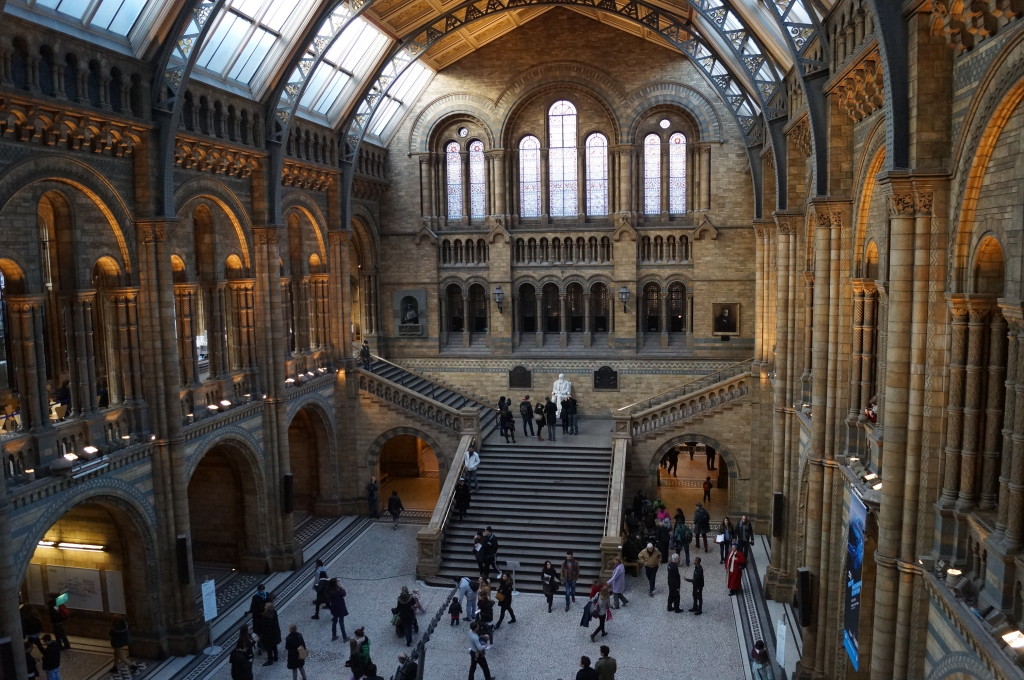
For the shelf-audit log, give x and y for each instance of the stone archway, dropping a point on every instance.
(695, 453)
(307, 447)
(408, 464)
(100, 554)
(223, 501)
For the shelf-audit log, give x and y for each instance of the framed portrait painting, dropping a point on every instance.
(725, 318)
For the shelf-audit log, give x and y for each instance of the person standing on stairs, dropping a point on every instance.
(463, 499)
(526, 412)
(550, 416)
(491, 550)
(472, 464)
(364, 355)
(508, 424)
(540, 418)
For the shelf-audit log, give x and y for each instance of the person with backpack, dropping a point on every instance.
(681, 539)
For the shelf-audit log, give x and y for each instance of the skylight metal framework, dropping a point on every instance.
(412, 46)
(180, 54)
(802, 28)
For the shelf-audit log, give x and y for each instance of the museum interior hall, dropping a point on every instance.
(264, 263)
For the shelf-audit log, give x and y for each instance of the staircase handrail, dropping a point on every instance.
(611, 542)
(690, 387)
(688, 406)
(452, 419)
(480, 401)
(429, 539)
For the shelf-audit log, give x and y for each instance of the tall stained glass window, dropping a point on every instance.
(677, 173)
(477, 180)
(597, 174)
(652, 174)
(529, 177)
(453, 164)
(562, 162)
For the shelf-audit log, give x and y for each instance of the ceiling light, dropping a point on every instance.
(1014, 639)
(869, 476)
(877, 487)
(88, 547)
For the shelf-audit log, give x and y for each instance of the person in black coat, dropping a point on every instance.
(395, 509)
(463, 499)
(406, 611)
(336, 602)
(505, 599)
(698, 587)
(540, 418)
(30, 661)
(58, 615)
(256, 606)
(270, 633)
(241, 662)
(51, 654)
(550, 415)
(673, 584)
(292, 643)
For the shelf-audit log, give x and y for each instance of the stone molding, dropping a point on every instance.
(307, 177)
(862, 91)
(966, 24)
(25, 120)
(191, 153)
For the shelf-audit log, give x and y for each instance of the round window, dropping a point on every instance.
(463, 131)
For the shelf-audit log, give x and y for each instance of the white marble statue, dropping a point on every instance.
(560, 389)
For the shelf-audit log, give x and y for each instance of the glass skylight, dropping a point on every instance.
(118, 24)
(116, 16)
(248, 35)
(345, 64)
(397, 100)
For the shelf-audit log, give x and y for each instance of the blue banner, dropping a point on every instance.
(854, 562)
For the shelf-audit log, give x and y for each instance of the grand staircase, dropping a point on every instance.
(540, 500)
(424, 386)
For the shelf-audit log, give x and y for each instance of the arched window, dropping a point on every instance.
(597, 174)
(453, 162)
(651, 308)
(562, 164)
(456, 311)
(599, 308)
(477, 309)
(529, 177)
(677, 173)
(652, 174)
(552, 308)
(574, 306)
(477, 180)
(676, 307)
(527, 308)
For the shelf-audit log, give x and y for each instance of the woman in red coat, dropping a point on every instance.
(734, 564)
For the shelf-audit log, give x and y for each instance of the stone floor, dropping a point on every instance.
(647, 641)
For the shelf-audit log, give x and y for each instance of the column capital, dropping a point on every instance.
(25, 302)
(154, 230)
(267, 234)
(789, 224)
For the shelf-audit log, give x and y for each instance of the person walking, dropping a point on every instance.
(681, 539)
(697, 579)
(605, 665)
(270, 633)
(120, 639)
(407, 669)
(478, 646)
(31, 667)
(712, 454)
(550, 416)
(651, 558)
(599, 604)
(727, 533)
(586, 672)
(734, 565)
(526, 413)
(617, 583)
(701, 526)
(295, 647)
(745, 535)
(760, 662)
(674, 582)
(59, 614)
(508, 424)
(373, 497)
(455, 611)
(395, 509)
(504, 597)
(472, 465)
(241, 662)
(339, 610)
(540, 418)
(320, 583)
(673, 461)
(51, 657)
(490, 551)
(362, 641)
(569, 574)
(463, 499)
(31, 626)
(549, 582)
(707, 486)
(406, 611)
(468, 592)
(364, 355)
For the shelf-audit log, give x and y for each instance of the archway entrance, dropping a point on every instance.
(307, 440)
(409, 466)
(696, 461)
(93, 561)
(222, 504)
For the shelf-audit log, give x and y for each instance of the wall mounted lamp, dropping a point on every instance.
(624, 296)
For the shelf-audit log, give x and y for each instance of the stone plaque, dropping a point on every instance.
(519, 377)
(606, 379)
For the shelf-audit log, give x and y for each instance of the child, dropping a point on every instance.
(455, 609)
(419, 603)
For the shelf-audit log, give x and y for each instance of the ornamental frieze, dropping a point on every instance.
(862, 91)
(205, 156)
(307, 177)
(26, 121)
(965, 24)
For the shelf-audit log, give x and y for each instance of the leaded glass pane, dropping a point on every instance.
(477, 180)
(563, 177)
(652, 175)
(453, 162)
(597, 174)
(529, 177)
(677, 173)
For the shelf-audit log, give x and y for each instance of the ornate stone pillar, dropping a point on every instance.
(979, 314)
(28, 333)
(216, 345)
(867, 372)
(993, 412)
(1013, 350)
(622, 156)
(77, 310)
(185, 309)
(563, 321)
(955, 401)
(338, 297)
(496, 189)
(539, 302)
(588, 322)
(1015, 485)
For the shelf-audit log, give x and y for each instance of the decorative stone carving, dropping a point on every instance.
(152, 232)
(800, 137)
(862, 91)
(624, 228)
(498, 230)
(520, 378)
(27, 121)
(202, 155)
(706, 227)
(901, 204)
(307, 177)
(606, 378)
(966, 24)
(425, 234)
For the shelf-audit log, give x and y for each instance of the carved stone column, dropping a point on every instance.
(993, 413)
(588, 322)
(77, 310)
(28, 337)
(955, 401)
(979, 319)
(1013, 350)
(185, 298)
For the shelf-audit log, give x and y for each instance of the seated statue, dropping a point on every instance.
(560, 389)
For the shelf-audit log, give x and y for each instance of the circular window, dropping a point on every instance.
(664, 123)
(463, 131)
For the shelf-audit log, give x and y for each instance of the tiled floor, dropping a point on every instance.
(646, 640)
